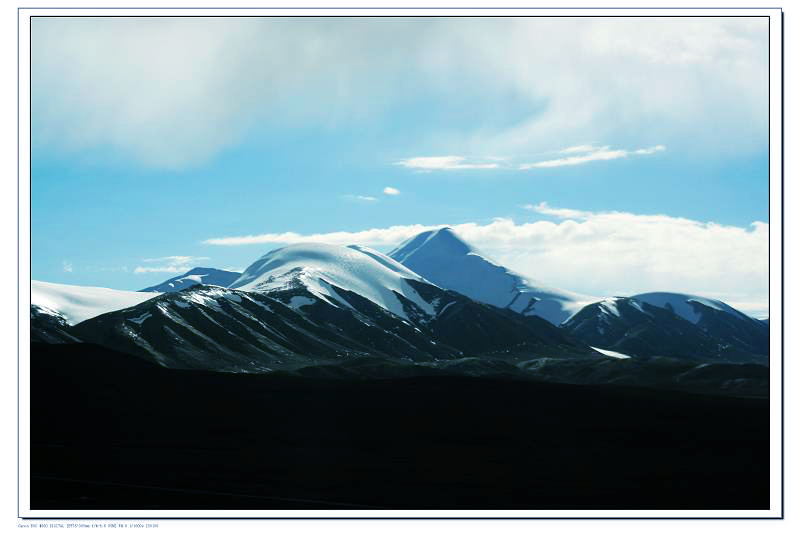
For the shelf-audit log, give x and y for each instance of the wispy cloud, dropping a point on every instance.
(359, 198)
(574, 155)
(579, 148)
(103, 269)
(444, 163)
(67, 266)
(600, 253)
(390, 191)
(563, 213)
(651, 150)
(590, 153)
(169, 264)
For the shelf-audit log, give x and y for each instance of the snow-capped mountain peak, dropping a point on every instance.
(443, 258)
(198, 275)
(322, 268)
(443, 239)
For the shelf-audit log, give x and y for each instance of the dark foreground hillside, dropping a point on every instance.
(110, 431)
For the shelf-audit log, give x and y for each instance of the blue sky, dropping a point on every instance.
(158, 144)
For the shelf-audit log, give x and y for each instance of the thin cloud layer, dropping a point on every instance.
(444, 163)
(600, 253)
(564, 213)
(579, 148)
(169, 264)
(175, 92)
(591, 153)
(374, 237)
(360, 198)
(391, 191)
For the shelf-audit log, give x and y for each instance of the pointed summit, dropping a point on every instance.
(445, 259)
(443, 239)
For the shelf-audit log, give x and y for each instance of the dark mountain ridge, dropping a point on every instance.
(225, 329)
(636, 328)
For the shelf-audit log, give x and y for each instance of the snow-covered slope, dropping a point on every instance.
(449, 262)
(318, 267)
(78, 303)
(682, 304)
(199, 275)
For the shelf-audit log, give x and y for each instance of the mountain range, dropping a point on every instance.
(313, 304)
(434, 304)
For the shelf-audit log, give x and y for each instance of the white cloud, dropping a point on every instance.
(375, 237)
(564, 213)
(591, 153)
(67, 266)
(390, 191)
(635, 80)
(651, 150)
(613, 253)
(579, 148)
(169, 264)
(173, 92)
(359, 198)
(443, 163)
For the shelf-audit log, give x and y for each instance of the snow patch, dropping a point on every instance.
(609, 306)
(299, 301)
(638, 306)
(196, 278)
(446, 306)
(142, 318)
(208, 297)
(612, 353)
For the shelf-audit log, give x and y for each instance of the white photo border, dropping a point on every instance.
(776, 286)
